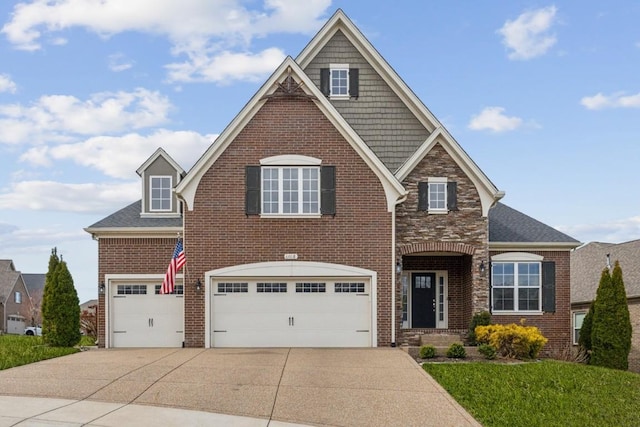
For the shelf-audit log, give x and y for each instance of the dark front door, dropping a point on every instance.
(423, 300)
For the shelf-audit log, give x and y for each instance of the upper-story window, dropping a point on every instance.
(290, 190)
(290, 185)
(340, 82)
(437, 195)
(160, 197)
(17, 297)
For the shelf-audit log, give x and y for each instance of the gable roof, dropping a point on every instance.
(8, 279)
(588, 261)
(160, 153)
(289, 68)
(489, 194)
(34, 282)
(127, 221)
(511, 228)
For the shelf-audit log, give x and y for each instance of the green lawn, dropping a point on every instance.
(547, 393)
(16, 350)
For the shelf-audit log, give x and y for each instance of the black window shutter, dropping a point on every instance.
(328, 190)
(354, 82)
(452, 196)
(324, 81)
(423, 196)
(549, 286)
(252, 195)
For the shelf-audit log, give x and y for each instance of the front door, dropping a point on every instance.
(423, 300)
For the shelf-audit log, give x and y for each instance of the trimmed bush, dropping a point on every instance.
(427, 352)
(488, 351)
(514, 341)
(482, 318)
(456, 351)
(611, 328)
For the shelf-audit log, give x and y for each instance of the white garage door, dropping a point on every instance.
(141, 317)
(291, 313)
(15, 325)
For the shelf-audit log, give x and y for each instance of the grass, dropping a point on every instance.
(548, 393)
(16, 350)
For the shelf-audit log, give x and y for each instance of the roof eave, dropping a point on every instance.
(115, 232)
(538, 246)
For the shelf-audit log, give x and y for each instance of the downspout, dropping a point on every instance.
(401, 199)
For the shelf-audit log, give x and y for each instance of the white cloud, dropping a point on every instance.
(7, 85)
(616, 231)
(61, 197)
(616, 100)
(494, 119)
(119, 157)
(118, 62)
(528, 35)
(226, 66)
(53, 118)
(203, 30)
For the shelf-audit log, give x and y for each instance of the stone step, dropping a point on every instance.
(440, 340)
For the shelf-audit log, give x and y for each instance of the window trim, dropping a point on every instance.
(17, 297)
(573, 324)
(437, 180)
(338, 67)
(300, 202)
(500, 259)
(151, 178)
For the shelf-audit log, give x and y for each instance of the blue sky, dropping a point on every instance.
(544, 96)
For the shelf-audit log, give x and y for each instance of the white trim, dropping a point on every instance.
(290, 269)
(281, 192)
(159, 152)
(150, 195)
(187, 188)
(524, 259)
(439, 181)
(533, 246)
(110, 279)
(517, 256)
(439, 273)
(573, 323)
(290, 160)
(118, 232)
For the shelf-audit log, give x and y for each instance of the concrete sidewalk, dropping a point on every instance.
(235, 387)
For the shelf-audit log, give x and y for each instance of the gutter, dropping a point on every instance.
(400, 199)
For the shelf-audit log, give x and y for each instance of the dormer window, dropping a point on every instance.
(160, 198)
(339, 80)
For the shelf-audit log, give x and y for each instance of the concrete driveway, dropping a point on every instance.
(271, 387)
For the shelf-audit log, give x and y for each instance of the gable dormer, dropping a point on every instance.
(160, 174)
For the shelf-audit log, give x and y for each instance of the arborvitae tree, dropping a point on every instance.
(49, 290)
(584, 340)
(62, 318)
(611, 329)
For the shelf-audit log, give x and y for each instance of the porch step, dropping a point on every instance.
(440, 340)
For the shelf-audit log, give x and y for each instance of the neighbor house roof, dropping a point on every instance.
(8, 278)
(128, 220)
(509, 227)
(34, 282)
(588, 261)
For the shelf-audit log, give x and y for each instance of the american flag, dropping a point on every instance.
(177, 261)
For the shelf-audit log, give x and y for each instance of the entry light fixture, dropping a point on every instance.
(198, 285)
(482, 267)
(101, 288)
(399, 266)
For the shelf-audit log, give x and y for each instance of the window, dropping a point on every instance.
(272, 288)
(340, 80)
(290, 190)
(516, 286)
(578, 318)
(233, 288)
(437, 195)
(349, 288)
(131, 290)
(311, 287)
(17, 297)
(160, 193)
(177, 290)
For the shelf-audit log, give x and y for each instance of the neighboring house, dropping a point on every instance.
(334, 210)
(35, 286)
(587, 263)
(15, 304)
(89, 306)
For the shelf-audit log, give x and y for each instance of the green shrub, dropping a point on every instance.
(456, 351)
(584, 340)
(427, 352)
(482, 318)
(514, 341)
(488, 351)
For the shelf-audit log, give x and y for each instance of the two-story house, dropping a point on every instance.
(334, 210)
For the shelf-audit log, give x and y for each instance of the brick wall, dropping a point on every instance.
(556, 327)
(219, 234)
(12, 308)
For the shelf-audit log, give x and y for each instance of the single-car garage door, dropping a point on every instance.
(291, 312)
(141, 317)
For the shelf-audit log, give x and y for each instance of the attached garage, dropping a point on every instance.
(15, 324)
(139, 316)
(291, 304)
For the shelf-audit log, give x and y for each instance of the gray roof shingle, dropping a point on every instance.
(509, 225)
(34, 282)
(129, 217)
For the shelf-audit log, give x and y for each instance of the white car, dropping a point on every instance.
(33, 330)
